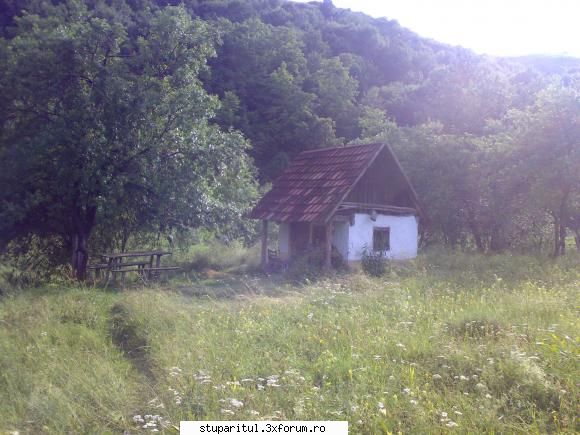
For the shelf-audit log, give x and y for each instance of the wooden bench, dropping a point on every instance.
(146, 273)
(98, 267)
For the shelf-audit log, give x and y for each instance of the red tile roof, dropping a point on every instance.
(315, 183)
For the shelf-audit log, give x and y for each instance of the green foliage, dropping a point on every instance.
(374, 263)
(124, 121)
(112, 129)
(215, 255)
(32, 261)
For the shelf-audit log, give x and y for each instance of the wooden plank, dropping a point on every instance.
(150, 266)
(378, 207)
(98, 266)
(134, 254)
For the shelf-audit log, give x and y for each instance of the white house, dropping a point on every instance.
(348, 199)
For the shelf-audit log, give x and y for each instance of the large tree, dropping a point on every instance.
(96, 124)
(548, 154)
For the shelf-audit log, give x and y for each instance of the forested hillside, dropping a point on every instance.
(141, 113)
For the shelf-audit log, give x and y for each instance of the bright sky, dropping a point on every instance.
(496, 27)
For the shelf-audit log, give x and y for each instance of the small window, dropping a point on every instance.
(381, 239)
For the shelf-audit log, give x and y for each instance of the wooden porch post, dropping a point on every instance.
(264, 244)
(327, 245)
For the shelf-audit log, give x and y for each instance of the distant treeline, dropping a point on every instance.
(161, 110)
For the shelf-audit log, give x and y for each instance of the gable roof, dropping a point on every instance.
(316, 182)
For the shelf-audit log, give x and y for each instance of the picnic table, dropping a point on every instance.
(145, 263)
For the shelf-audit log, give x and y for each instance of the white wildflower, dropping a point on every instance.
(310, 316)
(227, 412)
(382, 409)
(272, 381)
(406, 391)
(236, 403)
(437, 377)
(252, 412)
(451, 423)
(413, 402)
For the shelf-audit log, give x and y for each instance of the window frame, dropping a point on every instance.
(386, 230)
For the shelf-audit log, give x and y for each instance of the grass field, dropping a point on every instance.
(448, 343)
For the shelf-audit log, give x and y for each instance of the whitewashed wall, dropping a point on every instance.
(340, 237)
(404, 236)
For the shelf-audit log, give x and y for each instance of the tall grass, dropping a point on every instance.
(59, 371)
(445, 343)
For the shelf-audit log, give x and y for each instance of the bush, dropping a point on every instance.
(32, 261)
(374, 263)
(217, 255)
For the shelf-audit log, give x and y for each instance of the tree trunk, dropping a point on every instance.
(474, 228)
(560, 224)
(577, 239)
(83, 221)
(80, 256)
(556, 235)
(264, 262)
(562, 239)
(477, 237)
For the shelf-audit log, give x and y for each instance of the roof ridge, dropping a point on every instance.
(342, 148)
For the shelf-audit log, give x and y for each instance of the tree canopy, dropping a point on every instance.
(99, 128)
(147, 116)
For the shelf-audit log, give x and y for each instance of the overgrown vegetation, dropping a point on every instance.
(447, 342)
(374, 263)
(123, 122)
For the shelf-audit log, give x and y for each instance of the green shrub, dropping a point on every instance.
(374, 263)
(33, 261)
(217, 255)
